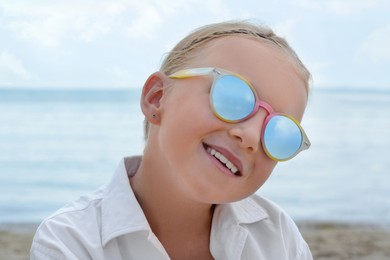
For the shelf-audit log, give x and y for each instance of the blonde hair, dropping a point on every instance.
(185, 50)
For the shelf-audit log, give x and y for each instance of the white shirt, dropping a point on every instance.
(110, 224)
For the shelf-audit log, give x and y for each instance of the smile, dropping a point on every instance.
(228, 164)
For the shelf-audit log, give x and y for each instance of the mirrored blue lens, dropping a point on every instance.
(282, 137)
(232, 99)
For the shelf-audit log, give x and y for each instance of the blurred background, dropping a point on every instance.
(70, 79)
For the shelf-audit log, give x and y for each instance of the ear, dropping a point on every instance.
(152, 93)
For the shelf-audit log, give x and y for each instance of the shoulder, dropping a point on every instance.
(256, 228)
(72, 226)
(84, 228)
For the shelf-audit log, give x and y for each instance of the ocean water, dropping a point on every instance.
(56, 145)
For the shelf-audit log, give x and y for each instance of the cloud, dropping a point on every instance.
(52, 22)
(150, 16)
(376, 45)
(285, 28)
(147, 21)
(341, 6)
(118, 71)
(10, 67)
(48, 31)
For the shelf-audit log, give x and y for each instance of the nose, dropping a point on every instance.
(248, 132)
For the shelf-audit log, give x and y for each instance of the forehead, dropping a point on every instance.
(270, 70)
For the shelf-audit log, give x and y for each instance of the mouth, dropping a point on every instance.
(223, 160)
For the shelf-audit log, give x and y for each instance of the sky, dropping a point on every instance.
(119, 43)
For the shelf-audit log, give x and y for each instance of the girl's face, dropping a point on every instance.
(189, 132)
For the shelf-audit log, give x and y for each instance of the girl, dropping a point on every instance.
(222, 111)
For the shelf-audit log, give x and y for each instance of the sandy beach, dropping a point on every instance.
(15, 240)
(326, 240)
(341, 241)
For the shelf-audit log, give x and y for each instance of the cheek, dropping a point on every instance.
(185, 121)
(263, 170)
(188, 109)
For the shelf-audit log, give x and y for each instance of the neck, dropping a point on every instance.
(173, 217)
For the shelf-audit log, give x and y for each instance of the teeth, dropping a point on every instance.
(223, 159)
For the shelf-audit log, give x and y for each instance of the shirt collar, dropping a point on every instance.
(121, 212)
(246, 211)
(229, 221)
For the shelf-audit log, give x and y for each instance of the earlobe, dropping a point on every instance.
(152, 93)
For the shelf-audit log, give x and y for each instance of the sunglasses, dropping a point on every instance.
(233, 99)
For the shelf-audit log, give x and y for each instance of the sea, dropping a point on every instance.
(56, 145)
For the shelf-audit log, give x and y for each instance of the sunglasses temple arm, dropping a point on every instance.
(191, 73)
(305, 140)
